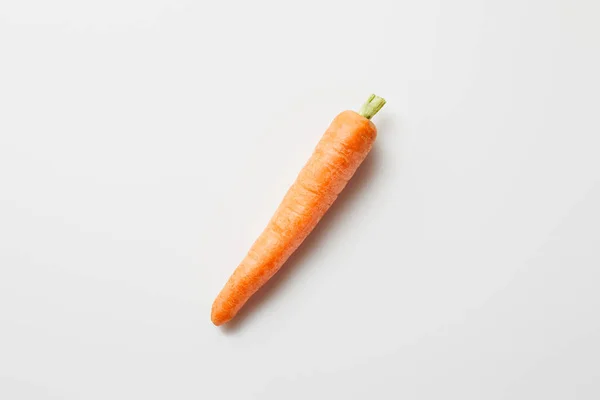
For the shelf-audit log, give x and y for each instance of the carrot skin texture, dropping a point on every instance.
(334, 161)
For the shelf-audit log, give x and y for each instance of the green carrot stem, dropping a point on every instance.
(371, 106)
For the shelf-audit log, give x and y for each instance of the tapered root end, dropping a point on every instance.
(216, 318)
(218, 315)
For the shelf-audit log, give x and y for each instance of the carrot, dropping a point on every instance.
(339, 153)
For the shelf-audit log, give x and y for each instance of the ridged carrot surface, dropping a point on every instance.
(337, 156)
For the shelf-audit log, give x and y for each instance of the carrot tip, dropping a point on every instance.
(372, 106)
(217, 316)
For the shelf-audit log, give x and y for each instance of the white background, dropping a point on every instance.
(145, 144)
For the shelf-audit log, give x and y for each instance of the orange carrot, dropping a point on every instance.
(339, 153)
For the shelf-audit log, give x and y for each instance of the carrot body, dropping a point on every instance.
(337, 156)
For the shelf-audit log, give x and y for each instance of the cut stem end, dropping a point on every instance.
(371, 106)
